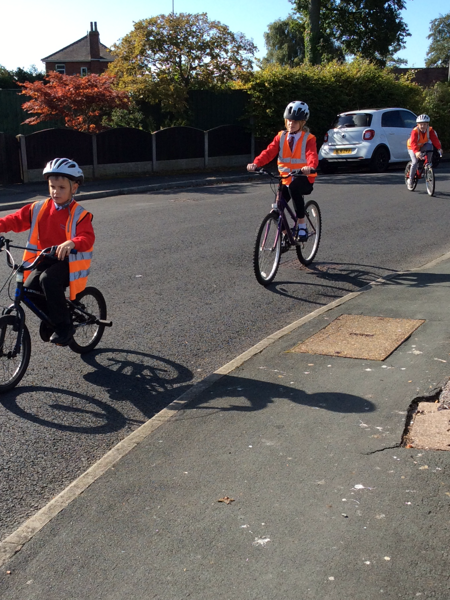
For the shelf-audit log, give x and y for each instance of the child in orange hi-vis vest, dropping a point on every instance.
(422, 139)
(58, 221)
(296, 149)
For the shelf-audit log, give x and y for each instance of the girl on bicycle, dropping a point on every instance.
(296, 150)
(422, 139)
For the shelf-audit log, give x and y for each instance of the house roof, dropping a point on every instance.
(79, 51)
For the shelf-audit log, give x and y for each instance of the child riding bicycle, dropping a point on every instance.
(422, 139)
(58, 221)
(297, 150)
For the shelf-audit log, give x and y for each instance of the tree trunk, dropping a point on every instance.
(313, 34)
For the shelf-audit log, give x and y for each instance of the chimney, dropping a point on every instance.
(94, 41)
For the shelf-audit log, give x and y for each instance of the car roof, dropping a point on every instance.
(371, 110)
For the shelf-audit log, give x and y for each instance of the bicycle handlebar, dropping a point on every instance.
(45, 253)
(294, 173)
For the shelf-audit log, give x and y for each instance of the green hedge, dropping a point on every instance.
(328, 90)
(437, 106)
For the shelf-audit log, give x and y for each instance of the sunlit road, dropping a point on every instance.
(176, 270)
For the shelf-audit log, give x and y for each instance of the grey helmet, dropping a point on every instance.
(297, 111)
(423, 119)
(64, 167)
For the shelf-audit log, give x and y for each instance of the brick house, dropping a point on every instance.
(87, 55)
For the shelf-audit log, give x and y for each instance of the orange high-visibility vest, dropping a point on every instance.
(79, 263)
(289, 161)
(422, 139)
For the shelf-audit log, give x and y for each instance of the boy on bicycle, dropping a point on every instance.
(422, 139)
(296, 149)
(62, 222)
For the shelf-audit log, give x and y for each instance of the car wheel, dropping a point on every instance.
(327, 168)
(380, 160)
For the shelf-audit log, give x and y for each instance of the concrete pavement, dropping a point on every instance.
(280, 476)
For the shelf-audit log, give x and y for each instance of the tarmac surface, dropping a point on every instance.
(282, 475)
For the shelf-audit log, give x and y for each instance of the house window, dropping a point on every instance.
(60, 69)
(83, 71)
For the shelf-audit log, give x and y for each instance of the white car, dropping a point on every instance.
(375, 137)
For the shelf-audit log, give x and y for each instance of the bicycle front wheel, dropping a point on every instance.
(429, 180)
(267, 253)
(87, 310)
(407, 172)
(306, 251)
(14, 356)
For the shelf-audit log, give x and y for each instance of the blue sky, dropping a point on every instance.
(31, 30)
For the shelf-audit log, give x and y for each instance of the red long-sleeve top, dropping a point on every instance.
(273, 149)
(414, 140)
(52, 227)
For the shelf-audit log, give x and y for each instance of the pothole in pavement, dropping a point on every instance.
(428, 422)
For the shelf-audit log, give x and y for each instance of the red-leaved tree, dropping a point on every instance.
(82, 102)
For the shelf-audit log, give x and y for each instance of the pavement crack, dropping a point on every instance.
(394, 447)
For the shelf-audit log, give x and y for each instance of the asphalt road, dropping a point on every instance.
(176, 269)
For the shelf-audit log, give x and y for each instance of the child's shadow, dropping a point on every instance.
(231, 393)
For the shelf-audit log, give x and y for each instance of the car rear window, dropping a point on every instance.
(356, 120)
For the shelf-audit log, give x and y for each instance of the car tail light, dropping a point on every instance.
(368, 134)
(325, 137)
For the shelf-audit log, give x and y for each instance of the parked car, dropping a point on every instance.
(375, 137)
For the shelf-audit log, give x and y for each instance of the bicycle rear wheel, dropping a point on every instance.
(87, 310)
(407, 171)
(13, 365)
(267, 253)
(429, 179)
(306, 251)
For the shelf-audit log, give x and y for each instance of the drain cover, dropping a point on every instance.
(357, 336)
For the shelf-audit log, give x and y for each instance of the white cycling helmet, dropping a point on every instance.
(297, 111)
(64, 167)
(423, 119)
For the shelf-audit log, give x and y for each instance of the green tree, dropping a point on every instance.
(438, 53)
(11, 79)
(285, 42)
(372, 29)
(166, 56)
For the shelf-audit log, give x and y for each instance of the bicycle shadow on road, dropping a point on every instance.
(417, 279)
(317, 274)
(241, 394)
(63, 410)
(147, 381)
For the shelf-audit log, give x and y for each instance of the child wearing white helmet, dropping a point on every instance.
(62, 222)
(422, 139)
(296, 149)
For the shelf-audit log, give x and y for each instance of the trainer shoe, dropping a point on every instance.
(63, 335)
(410, 186)
(302, 234)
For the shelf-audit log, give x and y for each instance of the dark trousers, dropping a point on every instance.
(52, 278)
(299, 187)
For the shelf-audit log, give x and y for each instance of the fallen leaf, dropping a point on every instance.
(226, 499)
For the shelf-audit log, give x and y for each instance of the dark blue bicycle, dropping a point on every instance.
(276, 234)
(88, 314)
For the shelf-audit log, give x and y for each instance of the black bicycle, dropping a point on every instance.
(277, 232)
(88, 314)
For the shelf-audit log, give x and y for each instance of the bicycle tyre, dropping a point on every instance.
(429, 180)
(306, 251)
(12, 369)
(267, 252)
(407, 171)
(88, 333)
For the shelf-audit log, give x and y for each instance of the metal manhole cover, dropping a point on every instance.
(357, 336)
